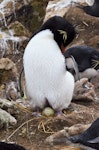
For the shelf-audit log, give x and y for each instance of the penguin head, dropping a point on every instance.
(63, 31)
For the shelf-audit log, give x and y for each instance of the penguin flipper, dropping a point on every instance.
(74, 139)
(96, 140)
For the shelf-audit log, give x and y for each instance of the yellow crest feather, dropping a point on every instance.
(95, 63)
(64, 33)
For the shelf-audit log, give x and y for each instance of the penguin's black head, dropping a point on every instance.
(63, 31)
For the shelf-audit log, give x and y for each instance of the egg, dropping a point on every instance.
(48, 112)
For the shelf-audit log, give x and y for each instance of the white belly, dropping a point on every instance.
(45, 73)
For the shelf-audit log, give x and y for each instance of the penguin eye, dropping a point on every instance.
(64, 34)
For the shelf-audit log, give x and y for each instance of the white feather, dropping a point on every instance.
(45, 72)
(89, 73)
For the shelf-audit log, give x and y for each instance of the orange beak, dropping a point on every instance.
(63, 49)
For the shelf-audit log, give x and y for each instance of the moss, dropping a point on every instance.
(32, 16)
(19, 29)
(39, 7)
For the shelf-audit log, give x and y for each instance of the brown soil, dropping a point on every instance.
(31, 132)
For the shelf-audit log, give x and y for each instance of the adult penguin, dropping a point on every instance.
(90, 137)
(47, 81)
(87, 59)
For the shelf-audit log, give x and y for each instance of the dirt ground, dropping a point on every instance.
(30, 131)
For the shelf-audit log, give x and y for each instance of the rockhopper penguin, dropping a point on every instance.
(87, 59)
(47, 80)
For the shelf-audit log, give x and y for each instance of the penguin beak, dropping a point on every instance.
(63, 49)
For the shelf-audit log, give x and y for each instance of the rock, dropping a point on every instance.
(18, 30)
(9, 106)
(15, 36)
(76, 129)
(50, 139)
(61, 7)
(9, 69)
(51, 10)
(9, 7)
(6, 119)
(4, 103)
(16, 19)
(14, 39)
(84, 23)
(6, 64)
(12, 91)
(95, 82)
(26, 2)
(8, 79)
(67, 131)
(84, 90)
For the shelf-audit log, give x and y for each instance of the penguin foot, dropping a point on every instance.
(61, 115)
(37, 112)
(58, 113)
(74, 139)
